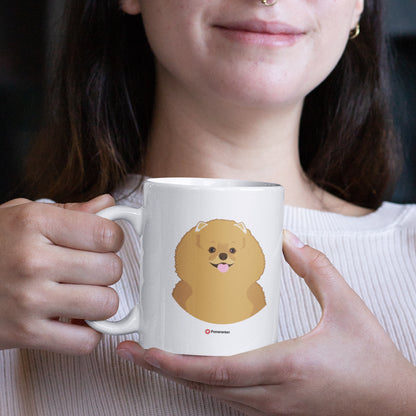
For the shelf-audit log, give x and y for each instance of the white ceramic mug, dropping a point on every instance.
(211, 265)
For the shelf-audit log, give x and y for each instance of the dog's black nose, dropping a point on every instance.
(223, 256)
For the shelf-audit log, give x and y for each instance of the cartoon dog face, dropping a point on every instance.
(217, 250)
(219, 263)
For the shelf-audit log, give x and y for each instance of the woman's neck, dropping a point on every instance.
(218, 141)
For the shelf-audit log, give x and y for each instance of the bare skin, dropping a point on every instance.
(56, 262)
(197, 140)
(346, 366)
(215, 124)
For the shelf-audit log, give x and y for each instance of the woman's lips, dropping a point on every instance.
(259, 32)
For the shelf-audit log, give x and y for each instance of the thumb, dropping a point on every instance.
(92, 206)
(322, 278)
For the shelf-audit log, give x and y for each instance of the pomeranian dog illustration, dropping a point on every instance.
(219, 263)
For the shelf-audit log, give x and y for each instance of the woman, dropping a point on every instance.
(272, 91)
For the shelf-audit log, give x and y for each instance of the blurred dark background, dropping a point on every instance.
(29, 29)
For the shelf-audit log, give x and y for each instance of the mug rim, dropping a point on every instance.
(210, 183)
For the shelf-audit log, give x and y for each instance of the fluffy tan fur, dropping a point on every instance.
(219, 263)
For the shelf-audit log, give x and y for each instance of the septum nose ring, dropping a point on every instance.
(269, 2)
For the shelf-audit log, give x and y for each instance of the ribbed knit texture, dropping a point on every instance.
(376, 254)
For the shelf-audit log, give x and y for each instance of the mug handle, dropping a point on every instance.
(129, 323)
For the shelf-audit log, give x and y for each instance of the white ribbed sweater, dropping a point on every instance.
(376, 254)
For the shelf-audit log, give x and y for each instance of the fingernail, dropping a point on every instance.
(292, 240)
(125, 355)
(152, 361)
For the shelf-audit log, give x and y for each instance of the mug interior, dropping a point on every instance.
(210, 183)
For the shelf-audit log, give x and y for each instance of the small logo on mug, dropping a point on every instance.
(212, 331)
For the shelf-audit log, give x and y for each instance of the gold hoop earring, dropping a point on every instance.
(355, 32)
(269, 2)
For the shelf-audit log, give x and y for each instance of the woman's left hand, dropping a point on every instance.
(347, 365)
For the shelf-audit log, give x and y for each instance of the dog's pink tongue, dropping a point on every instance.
(223, 267)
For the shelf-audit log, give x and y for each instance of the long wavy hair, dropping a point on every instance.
(99, 111)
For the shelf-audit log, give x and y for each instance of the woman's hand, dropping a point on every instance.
(347, 365)
(56, 261)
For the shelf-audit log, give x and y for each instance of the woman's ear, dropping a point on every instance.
(130, 6)
(358, 10)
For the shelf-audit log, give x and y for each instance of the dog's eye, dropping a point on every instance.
(212, 250)
(232, 250)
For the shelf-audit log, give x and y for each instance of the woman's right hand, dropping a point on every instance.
(56, 260)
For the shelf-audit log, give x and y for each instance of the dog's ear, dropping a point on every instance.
(242, 227)
(200, 226)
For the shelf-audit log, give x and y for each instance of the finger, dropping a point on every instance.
(240, 398)
(83, 267)
(266, 365)
(78, 230)
(92, 206)
(15, 202)
(65, 338)
(133, 352)
(324, 280)
(239, 370)
(92, 303)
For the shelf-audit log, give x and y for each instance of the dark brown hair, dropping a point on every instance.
(100, 110)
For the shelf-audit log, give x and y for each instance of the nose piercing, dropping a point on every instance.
(269, 2)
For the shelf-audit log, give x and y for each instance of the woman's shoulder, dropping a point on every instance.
(388, 217)
(404, 214)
